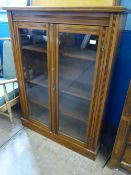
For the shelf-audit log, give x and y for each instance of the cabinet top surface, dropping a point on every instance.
(92, 9)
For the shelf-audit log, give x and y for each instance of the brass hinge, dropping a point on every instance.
(103, 47)
(15, 37)
(54, 87)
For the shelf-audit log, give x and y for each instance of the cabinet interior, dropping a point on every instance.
(77, 57)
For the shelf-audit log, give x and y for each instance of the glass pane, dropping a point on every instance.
(77, 57)
(34, 55)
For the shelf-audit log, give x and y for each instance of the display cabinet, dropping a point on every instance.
(64, 58)
(121, 154)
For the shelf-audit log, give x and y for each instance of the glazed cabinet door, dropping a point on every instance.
(78, 55)
(34, 62)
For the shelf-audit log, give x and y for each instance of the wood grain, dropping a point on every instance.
(93, 9)
(121, 154)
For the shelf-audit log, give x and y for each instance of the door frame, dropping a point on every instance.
(23, 96)
(53, 31)
(94, 103)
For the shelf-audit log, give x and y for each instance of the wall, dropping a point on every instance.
(127, 3)
(4, 27)
(3, 16)
(4, 32)
(65, 3)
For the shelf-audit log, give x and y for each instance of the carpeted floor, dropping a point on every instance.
(25, 152)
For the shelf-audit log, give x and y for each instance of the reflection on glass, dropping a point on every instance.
(34, 55)
(77, 57)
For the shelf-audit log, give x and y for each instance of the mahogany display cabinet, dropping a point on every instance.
(121, 154)
(64, 57)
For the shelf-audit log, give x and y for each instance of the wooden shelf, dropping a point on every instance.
(73, 107)
(75, 82)
(41, 80)
(79, 84)
(39, 114)
(75, 95)
(72, 53)
(79, 54)
(76, 77)
(73, 90)
(36, 48)
(68, 105)
(71, 127)
(38, 95)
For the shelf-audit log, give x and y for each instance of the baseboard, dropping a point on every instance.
(57, 138)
